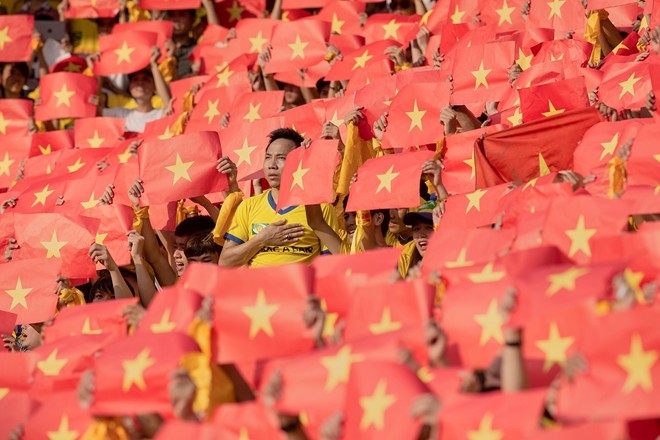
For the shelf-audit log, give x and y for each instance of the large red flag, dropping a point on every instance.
(171, 170)
(116, 221)
(394, 27)
(173, 311)
(559, 15)
(126, 52)
(213, 103)
(626, 85)
(47, 142)
(58, 417)
(554, 98)
(253, 34)
(16, 37)
(297, 45)
(474, 209)
(66, 95)
(391, 181)
(27, 288)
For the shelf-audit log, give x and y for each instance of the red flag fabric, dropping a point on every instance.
(367, 56)
(95, 9)
(66, 95)
(171, 170)
(116, 221)
(161, 5)
(256, 105)
(393, 27)
(504, 15)
(58, 417)
(308, 175)
(51, 141)
(474, 209)
(27, 289)
(12, 152)
(644, 161)
(7, 322)
(253, 34)
(625, 85)
(14, 116)
(126, 52)
(297, 45)
(98, 132)
(16, 37)
(212, 105)
(247, 420)
(559, 15)
(391, 181)
(173, 311)
(552, 99)
(343, 17)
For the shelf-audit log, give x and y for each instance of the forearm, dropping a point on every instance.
(466, 119)
(119, 284)
(210, 208)
(162, 88)
(276, 13)
(612, 34)
(234, 255)
(211, 14)
(514, 377)
(309, 94)
(146, 287)
(323, 231)
(419, 7)
(269, 82)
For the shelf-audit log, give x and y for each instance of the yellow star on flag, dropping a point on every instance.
(134, 371)
(555, 8)
(339, 366)
(375, 406)
(460, 261)
(337, 24)
(95, 141)
(385, 325)
(298, 48)
(457, 16)
(298, 176)
(474, 200)
(628, 86)
(5, 164)
(362, 60)
(52, 366)
(619, 47)
(180, 170)
(260, 315)
(505, 13)
(167, 134)
(223, 77)
(45, 150)
(491, 324)
(4, 37)
(637, 364)
(41, 196)
(552, 110)
(244, 153)
(3, 123)
(53, 246)
(76, 166)
(330, 320)
(554, 348)
(253, 113)
(480, 76)
(63, 432)
(164, 325)
(416, 116)
(486, 431)
(64, 96)
(470, 162)
(125, 156)
(524, 61)
(487, 275)
(564, 280)
(235, 11)
(124, 53)
(391, 29)
(87, 328)
(212, 110)
(386, 180)
(531, 183)
(258, 42)
(610, 146)
(100, 237)
(91, 203)
(18, 295)
(559, 58)
(515, 118)
(335, 120)
(543, 166)
(580, 237)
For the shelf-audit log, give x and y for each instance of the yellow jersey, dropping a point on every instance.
(257, 212)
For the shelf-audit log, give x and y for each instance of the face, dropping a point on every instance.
(12, 79)
(180, 259)
(275, 160)
(182, 20)
(292, 95)
(349, 220)
(256, 81)
(422, 233)
(325, 91)
(31, 337)
(396, 225)
(100, 296)
(142, 86)
(65, 44)
(211, 258)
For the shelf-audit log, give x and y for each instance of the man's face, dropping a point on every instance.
(182, 20)
(275, 160)
(211, 258)
(349, 221)
(179, 257)
(396, 225)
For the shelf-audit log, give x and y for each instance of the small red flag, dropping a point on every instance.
(255, 106)
(474, 209)
(126, 52)
(27, 289)
(7, 322)
(14, 116)
(389, 27)
(66, 95)
(367, 56)
(344, 17)
(559, 15)
(504, 15)
(172, 171)
(58, 417)
(212, 106)
(173, 311)
(98, 132)
(553, 98)
(116, 221)
(626, 85)
(253, 34)
(298, 45)
(16, 37)
(391, 181)
(308, 175)
(165, 5)
(50, 141)
(94, 9)
(13, 151)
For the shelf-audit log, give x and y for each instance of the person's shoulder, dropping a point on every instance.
(256, 200)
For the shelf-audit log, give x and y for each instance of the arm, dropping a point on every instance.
(419, 7)
(205, 203)
(162, 89)
(146, 288)
(513, 374)
(269, 79)
(100, 254)
(276, 13)
(323, 231)
(211, 14)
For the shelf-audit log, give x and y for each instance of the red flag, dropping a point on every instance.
(173, 311)
(253, 34)
(391, 181)
(644, 162)
(50, 141)
(552, 99)
(95, 9)
(16, 37)
(116, 221)
(61, 237)
(367, 56)
(7, 322)
(305, 119)
(626, 85)
(98, 132)
(246, 420)
(504, 15)
(132, 374)
(478, 208)
(261, 316)
(28, 289)
(66, 95)
(172, 171)
(297, 45)
(163, 128)
(344, 17)
(162, 28)
(256, 105)
(59, 416)
(12, 152)
(488, 66)
(375, 98)
(14, 116)
(506, 156)
(393, 27)
(212, 105)
(308, 175)
(126, 52)
(170, 4)
(559, 15)
(418, 107)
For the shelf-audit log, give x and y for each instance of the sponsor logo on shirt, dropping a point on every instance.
(258, 227)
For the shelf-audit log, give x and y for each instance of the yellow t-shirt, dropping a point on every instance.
(257, 212)
(405, 259)
(392, 240)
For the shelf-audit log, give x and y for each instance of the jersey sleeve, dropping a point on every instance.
(330, 218)
(239, 231)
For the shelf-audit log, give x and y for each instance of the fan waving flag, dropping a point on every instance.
(553, 98)
(171, 170)
(98, 132)
(307, 178)
(26, 289)
(126, 52)
(16, 37)
(297, 45)
(92, 9)
(391, 181)
(66, 95)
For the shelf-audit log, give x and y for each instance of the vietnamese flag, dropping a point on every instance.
(297, 45)
(249, 419)
(624, 372)
(253, 34)
(12, 152)
(245, 144)
(132, 374)
(102, 318)
(172, 171)
(126, 52)
(116, 221)
(40, 194)
(492, 415)
(98, 132)
(308, 175)
(170, 5)
(644, 162)
(231, 13)
(625, 85)
(474, 209)
(27, 288)
(7, 322)
(213, 103)
(418, 107)
(488, 79)
(255, 106)
(366, 56)
(390, 181)
(178, 89)
(376, 98)
(261, 316)
(162, 28)
(306, 119)
(16, 37)
(58, 417)
(66, 95)
(49, 141)
(553, 98)
(378, 401)
(506, 156)
(60, 237)
(77, 163)
(504, 15)
(393, 27)
(344, 17)
(173, 311)
(164, 128)
(15, 376)
(92, 9)
(559, 15)
(568, 52)
(14, 116)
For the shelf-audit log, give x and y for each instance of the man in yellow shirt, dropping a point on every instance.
(262, 236)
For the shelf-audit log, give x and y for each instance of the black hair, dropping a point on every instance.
(104, 283)
(22, 67)
(201, 243)
(144, 71)
(285, 133)
(191, 12)
(321, 83)
(192, 225)
(384, 227)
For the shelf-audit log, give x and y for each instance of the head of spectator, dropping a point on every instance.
(199, 224)
(201, 248)
(281, 142)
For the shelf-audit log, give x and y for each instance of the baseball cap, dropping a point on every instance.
(422, 214)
